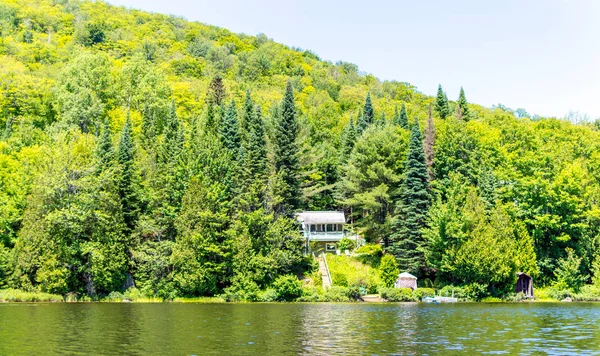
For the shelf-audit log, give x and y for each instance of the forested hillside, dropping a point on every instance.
(144, 150)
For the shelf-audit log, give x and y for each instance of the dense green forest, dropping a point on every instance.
(144, 150)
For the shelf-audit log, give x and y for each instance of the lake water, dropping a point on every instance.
(286, 329)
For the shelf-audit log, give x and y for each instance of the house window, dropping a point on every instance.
(329, 228)
(313, 228)
(330, 247)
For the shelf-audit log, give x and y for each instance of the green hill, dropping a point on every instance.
(143, 149)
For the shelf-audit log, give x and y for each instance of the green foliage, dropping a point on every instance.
(407, 241)
(368, 115)
(107, 135)
(372, 180)
(421, 293)
(346, 244)
(398, 295)
(463, 105)
(288, 288)
(14, 295)
(348, 271)
(287, 164)
(441, 104)
(568, 273)
(369, 254)
(388, 270)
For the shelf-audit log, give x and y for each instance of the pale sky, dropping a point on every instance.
(541, 55)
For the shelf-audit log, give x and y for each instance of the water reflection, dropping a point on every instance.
(315, 329)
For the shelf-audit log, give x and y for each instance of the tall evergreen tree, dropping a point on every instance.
(441, 103)
(463, 104)
(403, 119)
(126, 184)
(229, 130)
(104, 149)
(429, 143)
(255, 163)
(368, 115)
(287, 192)
(407, 241)
(348, 139)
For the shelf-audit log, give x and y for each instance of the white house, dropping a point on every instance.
(323, 229)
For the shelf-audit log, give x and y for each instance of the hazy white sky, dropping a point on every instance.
(542, 55)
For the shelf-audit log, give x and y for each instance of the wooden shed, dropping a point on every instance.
(524, 285)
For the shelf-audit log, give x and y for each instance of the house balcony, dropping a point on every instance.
(324, 235)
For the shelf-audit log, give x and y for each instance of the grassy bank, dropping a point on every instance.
(15, 295)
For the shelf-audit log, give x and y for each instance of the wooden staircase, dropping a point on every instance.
(324, 270)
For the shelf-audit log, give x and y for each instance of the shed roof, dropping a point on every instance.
(322, 217)
(406, 275)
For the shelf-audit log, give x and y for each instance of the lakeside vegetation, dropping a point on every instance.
(148, 157)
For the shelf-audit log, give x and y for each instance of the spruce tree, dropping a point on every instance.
(104, 149)
(368, 115)
(255, 163)
(229, 131)
(463, 104)
(403, 119)
(126, 183)
(286, 160)
(441, 103)
(407, 241)
(348, 140)
(173, 137)
(429, 144)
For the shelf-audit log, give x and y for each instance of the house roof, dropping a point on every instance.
(322, 217)
(406, 275)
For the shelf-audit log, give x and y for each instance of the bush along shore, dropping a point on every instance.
(367, 275)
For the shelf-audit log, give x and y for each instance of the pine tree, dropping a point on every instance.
(368, 115)
(441, 104)
(286, 161)
(104, 149)
(126, 184)
(348, 139)
(229, 130)
(173, 137)
(407, 241)
(403, 119)
(429, 143)
(463, 104)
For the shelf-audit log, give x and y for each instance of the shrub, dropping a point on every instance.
(388, 271)
(588, 293)
(369, 254)
(397, 294)
(346, 244)
(132, 294)
(336, 294)
(421, 293)
(476, 291)
(288, 288)
(311, 294)
(568, 273)
(354, 292)
(458, 292)
(114, 297)
(560, 294)
(267, 295)
(339, 279)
